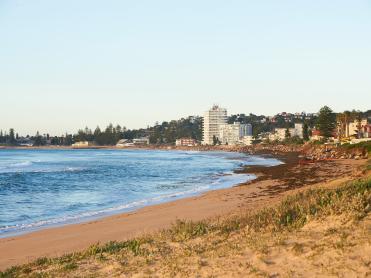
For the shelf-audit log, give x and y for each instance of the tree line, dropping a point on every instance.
(8, 138)
(167, 132)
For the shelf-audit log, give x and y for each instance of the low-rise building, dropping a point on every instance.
(25, 142)
(247, 140)
(280, 133)
(297, 130)
(141, 141)
(316, 135)
(123, 143)
(366, 131)
(82, 144)
(186, 142)
(355, 128)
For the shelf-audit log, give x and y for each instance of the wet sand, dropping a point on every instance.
(271, 185)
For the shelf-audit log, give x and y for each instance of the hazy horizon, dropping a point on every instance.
(104, 125)
(67, 65)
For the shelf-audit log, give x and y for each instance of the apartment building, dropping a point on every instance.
(212, 121)
(232, 134)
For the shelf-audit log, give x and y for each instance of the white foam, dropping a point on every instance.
(40, 169)
(222, 182)
(21, 164)
(216, 181)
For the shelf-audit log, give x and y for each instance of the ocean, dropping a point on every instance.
(45, 188)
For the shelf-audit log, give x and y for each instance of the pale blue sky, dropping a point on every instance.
(71, 63)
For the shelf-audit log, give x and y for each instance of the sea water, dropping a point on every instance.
(43, 188)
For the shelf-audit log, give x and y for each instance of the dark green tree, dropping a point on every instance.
(287, 133)
(68, 140)
(215, 140)
(38, 140)
(305, 132)
(12, 140)
(326, 121)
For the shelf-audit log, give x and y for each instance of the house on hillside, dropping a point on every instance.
(366, 132)
(316, 135)
(25, 142)
(280, 133)
(355, 128)
(185, 142)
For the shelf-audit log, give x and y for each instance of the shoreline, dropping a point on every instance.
(229, 148)
(91, 216)
(268, 188)
(98, 215)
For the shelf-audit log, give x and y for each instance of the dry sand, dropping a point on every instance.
(273, 183)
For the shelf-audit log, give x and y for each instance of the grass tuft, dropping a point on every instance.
(185, 230)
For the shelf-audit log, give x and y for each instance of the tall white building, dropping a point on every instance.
(213, 119)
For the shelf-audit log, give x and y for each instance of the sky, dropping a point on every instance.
(69, 64)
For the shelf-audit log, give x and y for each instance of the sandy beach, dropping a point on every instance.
(271, 185)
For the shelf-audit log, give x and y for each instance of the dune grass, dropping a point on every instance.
(169, 249)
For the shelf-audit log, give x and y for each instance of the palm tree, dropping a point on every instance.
(340, 122)
(343, 120)
(357, 116)
(348, 117)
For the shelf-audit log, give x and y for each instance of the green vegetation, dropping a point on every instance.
(362, 145)
(295, 140)
(343, 119)
(38, 140)
(8, 138)
(326, 121)
(218, 236)
(305, 132)
(191, 127)
(11, 136)
(167, 132)
(109, 136)
(287, 133)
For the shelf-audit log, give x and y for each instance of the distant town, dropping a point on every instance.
(216, 128)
